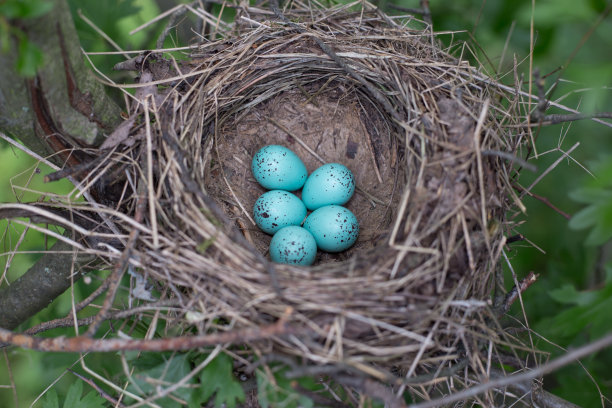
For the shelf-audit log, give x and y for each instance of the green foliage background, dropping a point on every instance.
(571, 302)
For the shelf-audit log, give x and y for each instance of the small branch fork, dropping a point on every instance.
(83, 344)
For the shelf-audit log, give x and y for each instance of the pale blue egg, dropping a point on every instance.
(334, 228)
(278, 168)
(276, 209)
(293, 245)
(332, 183)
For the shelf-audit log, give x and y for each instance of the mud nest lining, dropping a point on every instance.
(425, 135)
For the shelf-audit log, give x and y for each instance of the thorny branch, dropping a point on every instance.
(499, 383)
(545, 201)
(535, 393)
(555, 119)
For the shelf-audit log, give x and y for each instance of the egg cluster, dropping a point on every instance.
(278, 212)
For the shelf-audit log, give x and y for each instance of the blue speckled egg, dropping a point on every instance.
(276, 209)
(293, 245)
(334, 228)
(278, 168)
(332, 183)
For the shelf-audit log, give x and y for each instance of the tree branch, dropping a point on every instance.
(63, 106)
(39, 286)
(87, 344)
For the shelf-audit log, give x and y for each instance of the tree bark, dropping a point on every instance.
(62, 109)
(36, 289)
(63, 106)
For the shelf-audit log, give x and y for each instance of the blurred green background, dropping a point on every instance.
(571, 303)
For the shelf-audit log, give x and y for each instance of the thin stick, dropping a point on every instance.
(150, 189)
(483, 204)
(99, 389)
(157, 18)
(82, 344)
(103, 34)
(297, 139)
(554, 119)
(510, 157)
(549, 169)
(547, 202)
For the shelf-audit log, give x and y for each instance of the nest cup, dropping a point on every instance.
(415, 125)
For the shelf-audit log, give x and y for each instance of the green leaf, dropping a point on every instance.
(280, 394)
(74, 395)
(13, 9)
(568, 294)
(29, 58)
(74, 400)
(588, 195)
(51, 400)
(597, 215)
(218, 379)
(600, 234)
(584, 218)
(164, 369)
(91, 400)
(590, 316)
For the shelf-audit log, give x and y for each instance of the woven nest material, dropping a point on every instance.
(427, 136)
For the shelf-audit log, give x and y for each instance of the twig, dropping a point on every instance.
(515, 238)
(511, 296)
(567, 358)
(170, 25)
(69, 319)
(309, 97)
(602, 17)
(83, 344)
(546, 201)
(85, 302)
(96, 387)
(510, 157)
(557, 118)
(550, 168)
(427, 13)
(535, 393)
(73, 170)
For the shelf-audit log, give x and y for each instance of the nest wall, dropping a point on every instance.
(431, 197)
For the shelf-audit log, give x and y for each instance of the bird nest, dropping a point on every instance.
(429, 138)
